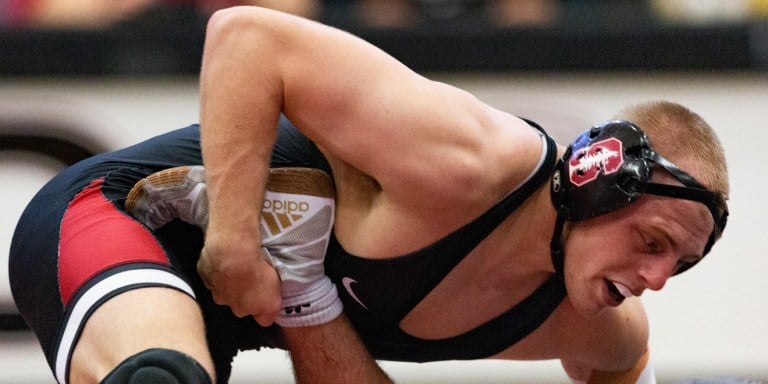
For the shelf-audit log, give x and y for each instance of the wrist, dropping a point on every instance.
(318, 305)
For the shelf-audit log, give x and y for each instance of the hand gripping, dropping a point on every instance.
(296, 224)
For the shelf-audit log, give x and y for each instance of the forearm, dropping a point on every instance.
(240, 106)
(331, 353)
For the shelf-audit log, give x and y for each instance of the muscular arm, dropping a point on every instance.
(341, 92)
(343, 358)
(257, 64)
(640, 373)
(352, 99)
(613, 350)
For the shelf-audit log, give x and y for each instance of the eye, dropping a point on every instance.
(650, 244)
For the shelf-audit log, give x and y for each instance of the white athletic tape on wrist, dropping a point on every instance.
(319, 305)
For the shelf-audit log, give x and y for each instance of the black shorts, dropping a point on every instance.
(75, 247)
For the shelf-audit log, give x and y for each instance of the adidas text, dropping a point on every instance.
(287, 206)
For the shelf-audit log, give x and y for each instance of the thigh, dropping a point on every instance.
(134, 321)
(75, 254)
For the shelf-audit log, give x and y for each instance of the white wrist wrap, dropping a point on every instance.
(319, 305)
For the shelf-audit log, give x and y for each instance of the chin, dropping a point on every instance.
(585, 305)
(588, 311)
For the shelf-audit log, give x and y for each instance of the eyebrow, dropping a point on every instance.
(665, 234)
(660, 230)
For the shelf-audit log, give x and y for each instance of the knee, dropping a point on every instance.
(158, 365)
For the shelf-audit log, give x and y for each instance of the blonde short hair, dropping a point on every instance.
(682, 136)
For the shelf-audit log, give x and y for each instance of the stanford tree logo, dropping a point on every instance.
(586, 164)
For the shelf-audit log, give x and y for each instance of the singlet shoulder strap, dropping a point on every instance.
(483, 341)
(453, 248)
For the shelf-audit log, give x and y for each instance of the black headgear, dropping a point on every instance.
(609, 166)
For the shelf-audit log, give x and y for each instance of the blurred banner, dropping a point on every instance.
(140, 37)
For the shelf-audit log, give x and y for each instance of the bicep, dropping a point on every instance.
(364, 106)
(613, 342)
(348, 96)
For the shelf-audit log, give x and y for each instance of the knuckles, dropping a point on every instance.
(249, 290)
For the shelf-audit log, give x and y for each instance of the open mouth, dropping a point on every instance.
(618, 291)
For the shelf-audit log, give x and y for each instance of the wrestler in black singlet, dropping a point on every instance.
(378, 294)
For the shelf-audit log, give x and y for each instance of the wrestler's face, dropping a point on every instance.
(625, 252)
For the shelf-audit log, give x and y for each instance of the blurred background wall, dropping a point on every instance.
(86, 76)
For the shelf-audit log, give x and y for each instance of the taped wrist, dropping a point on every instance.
(317, 305)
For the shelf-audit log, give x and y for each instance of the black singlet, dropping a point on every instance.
(378, 294)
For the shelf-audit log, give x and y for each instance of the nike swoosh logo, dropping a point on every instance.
(347, 282)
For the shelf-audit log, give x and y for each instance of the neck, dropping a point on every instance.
(522, 241)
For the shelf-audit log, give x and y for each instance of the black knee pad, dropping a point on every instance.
(158, 366)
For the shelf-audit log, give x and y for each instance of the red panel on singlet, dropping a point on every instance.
(96, 236)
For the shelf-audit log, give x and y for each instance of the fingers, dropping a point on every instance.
(264, 311)
(249, 289)
(265, 320)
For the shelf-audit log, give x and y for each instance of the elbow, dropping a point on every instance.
(222, 15)
(238, 38)
(251, 25)
(231, 21)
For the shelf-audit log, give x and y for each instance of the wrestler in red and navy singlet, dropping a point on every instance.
(75, 247)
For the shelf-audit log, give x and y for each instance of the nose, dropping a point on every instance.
(657, 270)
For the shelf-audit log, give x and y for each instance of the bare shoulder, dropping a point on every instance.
(414, 136)
(415, 154)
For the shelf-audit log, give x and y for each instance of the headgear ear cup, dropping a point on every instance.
(604, 169)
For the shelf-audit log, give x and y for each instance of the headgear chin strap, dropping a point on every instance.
(608, 167)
